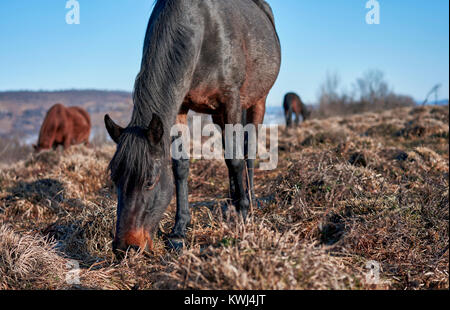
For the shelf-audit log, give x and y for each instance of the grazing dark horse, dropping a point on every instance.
(213, 56)
(64, 126)
(292, 104)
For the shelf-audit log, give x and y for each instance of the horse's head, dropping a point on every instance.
(40, 147)
(36, 148)
(144, 183)
(306, 113)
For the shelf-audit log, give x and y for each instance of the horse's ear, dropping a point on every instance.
(155, 130)
(114, 130)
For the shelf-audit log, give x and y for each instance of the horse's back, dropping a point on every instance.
(81, 124)
(82, 115)
(239, 49)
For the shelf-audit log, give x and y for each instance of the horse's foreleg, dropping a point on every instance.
(67, 142)
(183, 216)
(180, 169)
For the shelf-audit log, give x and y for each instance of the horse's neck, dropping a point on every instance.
(167, 66)
(166, 108)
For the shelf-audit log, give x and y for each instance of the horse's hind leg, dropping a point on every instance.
(255, 116)
(249, 143)
(297, 119)
(250, 150)
(219, 120)
(236, 166)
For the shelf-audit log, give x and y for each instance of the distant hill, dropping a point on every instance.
(439, 102)
(22, 112)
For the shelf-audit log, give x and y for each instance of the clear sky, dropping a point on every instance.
(38, 50)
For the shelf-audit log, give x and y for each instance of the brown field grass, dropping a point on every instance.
(370, 187)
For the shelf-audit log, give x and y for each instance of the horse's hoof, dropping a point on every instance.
(244, 214)
(257, 203)
(175, 244)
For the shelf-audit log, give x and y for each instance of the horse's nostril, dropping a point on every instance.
(138, 239)
(134, 240)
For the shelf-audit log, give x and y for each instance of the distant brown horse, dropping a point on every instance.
(214, 57)
(293, 104)
(64, 126)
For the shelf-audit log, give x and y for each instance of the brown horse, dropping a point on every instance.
(293, 104)
(216, 57)
(64, 126)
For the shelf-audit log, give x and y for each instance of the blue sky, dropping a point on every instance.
(38, 50)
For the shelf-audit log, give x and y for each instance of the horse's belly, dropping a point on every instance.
(203, 100)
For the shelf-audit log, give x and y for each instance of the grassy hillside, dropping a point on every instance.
(370, 187)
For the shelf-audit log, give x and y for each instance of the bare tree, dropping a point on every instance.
(370, 93)
(372, 87)
(331, 101)
(328, 91)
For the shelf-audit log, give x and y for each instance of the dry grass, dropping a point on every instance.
(28, 262)
(347, 191)
(13, 149)
(255, 256)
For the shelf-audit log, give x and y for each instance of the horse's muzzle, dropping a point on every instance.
(135, 239)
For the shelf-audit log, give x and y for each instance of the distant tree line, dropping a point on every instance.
(369, 93)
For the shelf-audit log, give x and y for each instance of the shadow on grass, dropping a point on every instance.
(39, 191)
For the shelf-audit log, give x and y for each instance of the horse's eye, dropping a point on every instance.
(152, 183)
(149, 185)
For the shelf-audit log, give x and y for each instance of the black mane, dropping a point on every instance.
(165, 59)
(133, 164)
(166, 56)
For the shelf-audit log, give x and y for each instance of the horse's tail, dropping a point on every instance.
(263, 5)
